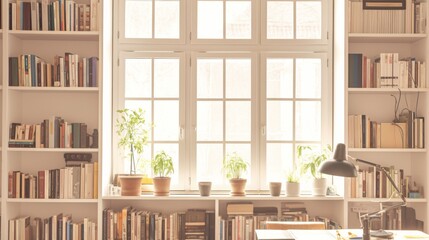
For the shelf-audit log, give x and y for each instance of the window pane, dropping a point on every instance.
(308, 20)
(210, 20)
(166, 78)
(279, 161)
(209, 163)
(238, 78)
(279, 78)
(167, 19)
(308, 121)
(147, 108)
(209, 78)
(209, 121)
(308, 78)
(238, 121)
(238, 20)
(243, 150)
(279, 120)
(173, 151)
(138, 77)
(166, 121)
(138, 19)
(279, 20)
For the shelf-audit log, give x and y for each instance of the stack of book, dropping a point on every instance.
(60, 226)
(78, 182)
(294, 211)
(57, 15)
(29, 70)
(54, 132)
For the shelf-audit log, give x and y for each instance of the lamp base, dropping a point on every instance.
(381, 234)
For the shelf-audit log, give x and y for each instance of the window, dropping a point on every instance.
(228, 87)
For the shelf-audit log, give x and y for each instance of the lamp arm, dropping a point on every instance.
(379, 168)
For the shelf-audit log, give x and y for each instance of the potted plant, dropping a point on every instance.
(292, 183)
(162, 167)
(234, 168)
(133, 133)
(311, 160)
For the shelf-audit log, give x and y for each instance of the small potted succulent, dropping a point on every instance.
(162, 168)
(234, 168)
(133, 134)
(292, 183)
(311, 160)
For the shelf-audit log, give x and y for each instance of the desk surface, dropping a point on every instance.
(331, 234)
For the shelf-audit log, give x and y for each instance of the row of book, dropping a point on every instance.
(80, 182)
(372, 183)
(412, 19)
(46, 15)
(60, 227)
(54, 132)
(243, 219)
(386, 71)
(365, 133)
(29, 70)
(130, 223)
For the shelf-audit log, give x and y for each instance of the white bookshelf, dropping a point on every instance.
(377, 103)
(32, 105)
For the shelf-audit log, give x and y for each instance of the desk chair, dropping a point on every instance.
(279, 225)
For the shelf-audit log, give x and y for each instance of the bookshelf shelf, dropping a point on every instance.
(55, 35)
(387, 150)
(55, 89)
(387, 90)
(26, 200)
(60, 150)
(385, 37)
(409, 200)
(227, 198)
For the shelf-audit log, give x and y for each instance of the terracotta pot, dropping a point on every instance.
(275, 188)
(161, 186)
(238, 186)
(130, 185)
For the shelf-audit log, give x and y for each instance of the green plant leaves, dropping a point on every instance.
(234, 166)
(162, 165)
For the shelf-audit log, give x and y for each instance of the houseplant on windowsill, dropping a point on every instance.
(311, 160)
(133, 133)
(234, 168)
(292, 183)
(162, 167)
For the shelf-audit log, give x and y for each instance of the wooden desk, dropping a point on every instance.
(264, 234)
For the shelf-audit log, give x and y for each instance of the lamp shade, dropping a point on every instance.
(339, 166)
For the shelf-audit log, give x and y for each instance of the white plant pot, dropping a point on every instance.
(319, 187)
(292, 189)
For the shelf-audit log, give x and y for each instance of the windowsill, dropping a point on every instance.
(197, 197)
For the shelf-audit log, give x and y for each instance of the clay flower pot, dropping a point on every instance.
(161, 186)
(238, 186)
(131, 185)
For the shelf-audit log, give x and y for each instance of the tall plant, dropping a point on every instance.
(234, 166)
(311, 158)
(133, 132)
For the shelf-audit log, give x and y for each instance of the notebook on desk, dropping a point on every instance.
(264, 234)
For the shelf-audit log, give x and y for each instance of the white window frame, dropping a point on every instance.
(254, 115)
(194, 27)
(121, 29)
(188, 47)
(119, 94)
(326, 5)
(325, 99)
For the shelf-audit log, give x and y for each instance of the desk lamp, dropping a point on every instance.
(340, 166)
